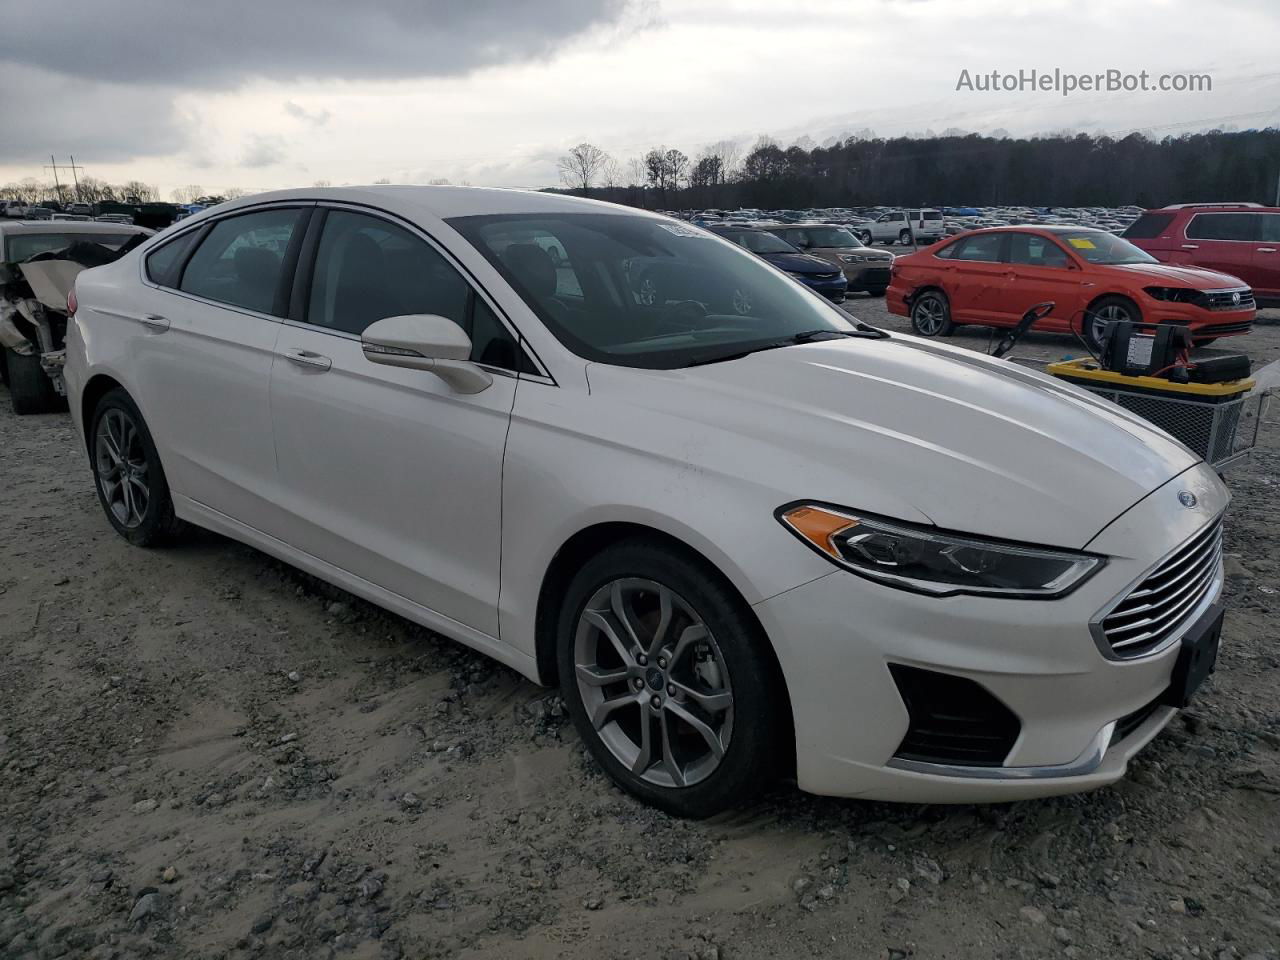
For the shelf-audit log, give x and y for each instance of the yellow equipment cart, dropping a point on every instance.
(1219, 421)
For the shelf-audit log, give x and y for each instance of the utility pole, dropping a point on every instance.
(55, 167)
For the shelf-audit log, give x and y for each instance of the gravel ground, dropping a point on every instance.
(204, 753)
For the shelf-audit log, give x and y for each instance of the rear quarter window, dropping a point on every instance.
(166, 260)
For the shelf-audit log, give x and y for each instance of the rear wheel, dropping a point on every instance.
(127, 473)
(931, 314)
(668, 679)
(30, 389)
(866, 238)
(905, 238)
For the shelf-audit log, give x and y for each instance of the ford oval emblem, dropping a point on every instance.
(1187, 498)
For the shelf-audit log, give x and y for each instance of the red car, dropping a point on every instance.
(991, 277)
(1242, 239)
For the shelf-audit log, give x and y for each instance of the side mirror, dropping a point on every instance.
(424, 341)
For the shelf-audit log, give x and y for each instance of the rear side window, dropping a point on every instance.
(983, 248)
(1148, 225)
(166, 260)
(932, 215)
(1224, 226)
(241, 260)
(1271, 227)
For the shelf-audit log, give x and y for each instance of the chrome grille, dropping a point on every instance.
(1226, 299)
(1160, 604)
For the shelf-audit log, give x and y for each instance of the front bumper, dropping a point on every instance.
(1203, 323)
(1082, 715)
(873, 275)
(833, 290)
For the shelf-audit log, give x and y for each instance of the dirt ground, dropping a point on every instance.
(204, 753)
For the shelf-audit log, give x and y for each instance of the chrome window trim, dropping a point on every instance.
(1175, 633)
(1219, 213)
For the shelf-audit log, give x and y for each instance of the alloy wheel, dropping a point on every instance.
(1111, 313)
(929, 316)
(122, 468)
(653, 682)
(741, 301)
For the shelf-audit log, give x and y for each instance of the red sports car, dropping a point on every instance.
(991, 277)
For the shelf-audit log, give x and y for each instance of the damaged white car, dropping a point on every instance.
(39, 263)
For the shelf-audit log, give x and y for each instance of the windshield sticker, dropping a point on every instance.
(680, 230)
(1082, 243)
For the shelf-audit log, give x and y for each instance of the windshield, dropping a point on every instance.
(831, 237)
(643, 292)
(1098, 247)
(757, 241)
(20, 246)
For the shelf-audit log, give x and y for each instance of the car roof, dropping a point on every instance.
(436, 201)
(66, 226)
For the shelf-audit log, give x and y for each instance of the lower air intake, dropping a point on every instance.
(953, 720)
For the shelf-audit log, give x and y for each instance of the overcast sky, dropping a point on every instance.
(270, 93)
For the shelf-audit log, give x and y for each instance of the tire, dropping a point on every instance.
(1105, 310)
(904, 238)
(711, 663)
(877, 291)
(867, 238)
(119, 440)
(30, 389)
(931, 315)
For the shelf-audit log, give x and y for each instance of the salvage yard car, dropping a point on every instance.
(746, 545)
(990, 277)
(38, 264)
(865, 269)
(904, 227)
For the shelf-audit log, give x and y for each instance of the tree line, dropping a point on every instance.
(1065, 170)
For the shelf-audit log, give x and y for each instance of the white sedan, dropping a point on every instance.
(748, 536)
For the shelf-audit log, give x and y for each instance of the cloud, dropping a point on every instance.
(114, 99)
(263, 150)
(317, 118)
(150, 42)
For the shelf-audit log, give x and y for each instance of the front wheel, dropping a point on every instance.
(931, 315)
(877, 291)
(668, 679)
(127, 473)
(905, 238)
(1108, 310)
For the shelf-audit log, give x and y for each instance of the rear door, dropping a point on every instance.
(1265, 271)
(977, 279)
(202, 356)
(1222, 241)
(1040, 271)
(390, 474)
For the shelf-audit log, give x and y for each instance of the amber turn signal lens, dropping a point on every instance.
(819, 527)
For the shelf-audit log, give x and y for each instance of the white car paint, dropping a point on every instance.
(448, 508)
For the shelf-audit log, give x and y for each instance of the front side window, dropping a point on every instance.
(981, 248)
(240, 262)
(367, 269)
(1223, 226)
(648, 292)
(1035, 250)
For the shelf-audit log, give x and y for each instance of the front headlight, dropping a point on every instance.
(930, 561)
(1174, 294)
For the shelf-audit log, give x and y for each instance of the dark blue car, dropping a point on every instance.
(813, 273)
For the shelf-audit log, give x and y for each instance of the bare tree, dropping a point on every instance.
(235, 193)
(147, 192)
(187, 194)
(323, 183)
(580, 167)
(611, 174)
(637, 174)
(729, 155)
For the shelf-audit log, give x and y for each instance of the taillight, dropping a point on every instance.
(71, 302)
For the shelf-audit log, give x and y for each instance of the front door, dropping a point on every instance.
(389, 474)
(1264, 276)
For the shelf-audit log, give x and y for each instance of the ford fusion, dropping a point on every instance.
(748, 536)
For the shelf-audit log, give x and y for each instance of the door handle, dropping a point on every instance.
(154, 321)
(1191, 246)
(305, 358)
(1266, 250)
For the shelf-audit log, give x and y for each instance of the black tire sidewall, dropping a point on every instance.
(755, 747)
(1092, 321)
(158, 523)
(30, 390)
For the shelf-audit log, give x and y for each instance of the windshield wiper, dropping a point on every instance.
(805, 336)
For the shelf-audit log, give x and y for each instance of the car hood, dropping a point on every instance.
(910, 429)
(1197, 278)
(796, 262)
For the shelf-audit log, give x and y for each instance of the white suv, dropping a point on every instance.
(738, 528)
(900, 225)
